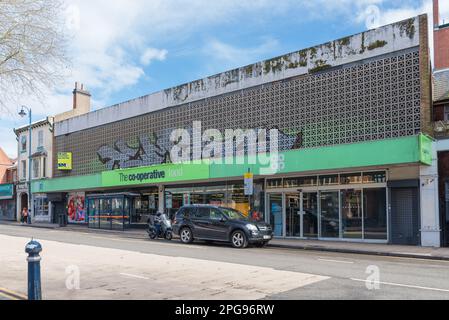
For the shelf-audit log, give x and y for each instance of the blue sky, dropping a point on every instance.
(124, 49)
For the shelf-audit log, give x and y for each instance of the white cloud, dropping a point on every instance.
(226, 55)
(151, 54)
(114, 42)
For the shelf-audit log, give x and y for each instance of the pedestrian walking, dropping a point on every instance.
(24, 215)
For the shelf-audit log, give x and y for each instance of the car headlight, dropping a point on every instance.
(252, 227)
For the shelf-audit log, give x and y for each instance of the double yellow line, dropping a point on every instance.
(11, 295)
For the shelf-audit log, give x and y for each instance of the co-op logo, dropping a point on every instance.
(153, 175)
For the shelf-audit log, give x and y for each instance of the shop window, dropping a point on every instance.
(308, 181)
(329, 180)
(330, 211)
(237, 199)
(375, 177)
(352, 178)
(291, 183)
(375, 212)
(446, 113)
(351, 212)
(274, 184)
(41, 207)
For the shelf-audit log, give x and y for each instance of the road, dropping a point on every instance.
(81, 265)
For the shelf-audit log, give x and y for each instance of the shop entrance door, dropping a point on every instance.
(302, 215)
(293, 212)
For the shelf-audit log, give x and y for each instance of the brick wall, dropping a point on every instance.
(441, 48)
(426, 80)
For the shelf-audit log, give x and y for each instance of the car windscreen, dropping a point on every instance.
(233, 214)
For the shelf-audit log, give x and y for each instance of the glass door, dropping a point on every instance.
(94, 213)
(330, 214)
(351, 214)
(105, 214)
(293, 215)
(310, 215)
(275, 207)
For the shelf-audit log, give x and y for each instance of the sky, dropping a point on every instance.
(123, 49)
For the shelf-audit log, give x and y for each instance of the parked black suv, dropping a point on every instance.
(211, 223)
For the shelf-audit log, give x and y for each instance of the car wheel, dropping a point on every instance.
(239, 240)
(186, 235)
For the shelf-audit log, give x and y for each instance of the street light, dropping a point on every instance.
(23, 114)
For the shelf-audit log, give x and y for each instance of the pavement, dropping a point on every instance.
(6, 294)
(312, 245)
(93, 266)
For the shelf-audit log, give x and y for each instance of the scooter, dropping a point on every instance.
(160, 227)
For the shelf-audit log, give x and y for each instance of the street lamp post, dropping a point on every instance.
(23, 113)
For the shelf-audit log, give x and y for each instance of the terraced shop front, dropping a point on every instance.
(7, 202)
(338, 192)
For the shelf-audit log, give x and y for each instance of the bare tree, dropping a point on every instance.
(32, 48)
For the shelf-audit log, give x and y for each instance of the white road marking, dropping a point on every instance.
(336, 261)
(171, 244)
(134, 276)
(403, 285)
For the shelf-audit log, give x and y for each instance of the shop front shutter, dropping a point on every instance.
(405, 216)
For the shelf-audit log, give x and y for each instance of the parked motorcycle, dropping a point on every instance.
(159, 227)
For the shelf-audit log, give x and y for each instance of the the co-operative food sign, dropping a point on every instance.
(155, 174)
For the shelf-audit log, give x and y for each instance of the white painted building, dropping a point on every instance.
(42, 157)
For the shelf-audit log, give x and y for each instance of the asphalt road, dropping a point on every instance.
(341, 276)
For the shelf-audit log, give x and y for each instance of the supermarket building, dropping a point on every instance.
(357, 158)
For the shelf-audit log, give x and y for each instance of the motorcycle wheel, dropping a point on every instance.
(152, 234)
(169, 235)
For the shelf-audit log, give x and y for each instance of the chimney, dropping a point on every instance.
(81, 99)
(436, 14)
(441, 40)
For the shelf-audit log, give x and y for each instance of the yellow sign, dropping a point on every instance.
(249, 175)
(64, 161)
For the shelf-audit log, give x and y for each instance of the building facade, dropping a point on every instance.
(356, 158)
(41, 167)
(441, 115)
(43, 208)
(7, 187)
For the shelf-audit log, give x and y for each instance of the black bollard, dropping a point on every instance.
(34, 270)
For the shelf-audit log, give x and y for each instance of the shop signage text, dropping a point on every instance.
(6, 191)
(65, 161)
(155, 174)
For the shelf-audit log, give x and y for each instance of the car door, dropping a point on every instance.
(219, 225)
(201, 222)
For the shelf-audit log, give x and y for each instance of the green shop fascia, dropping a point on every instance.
(407, 150)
